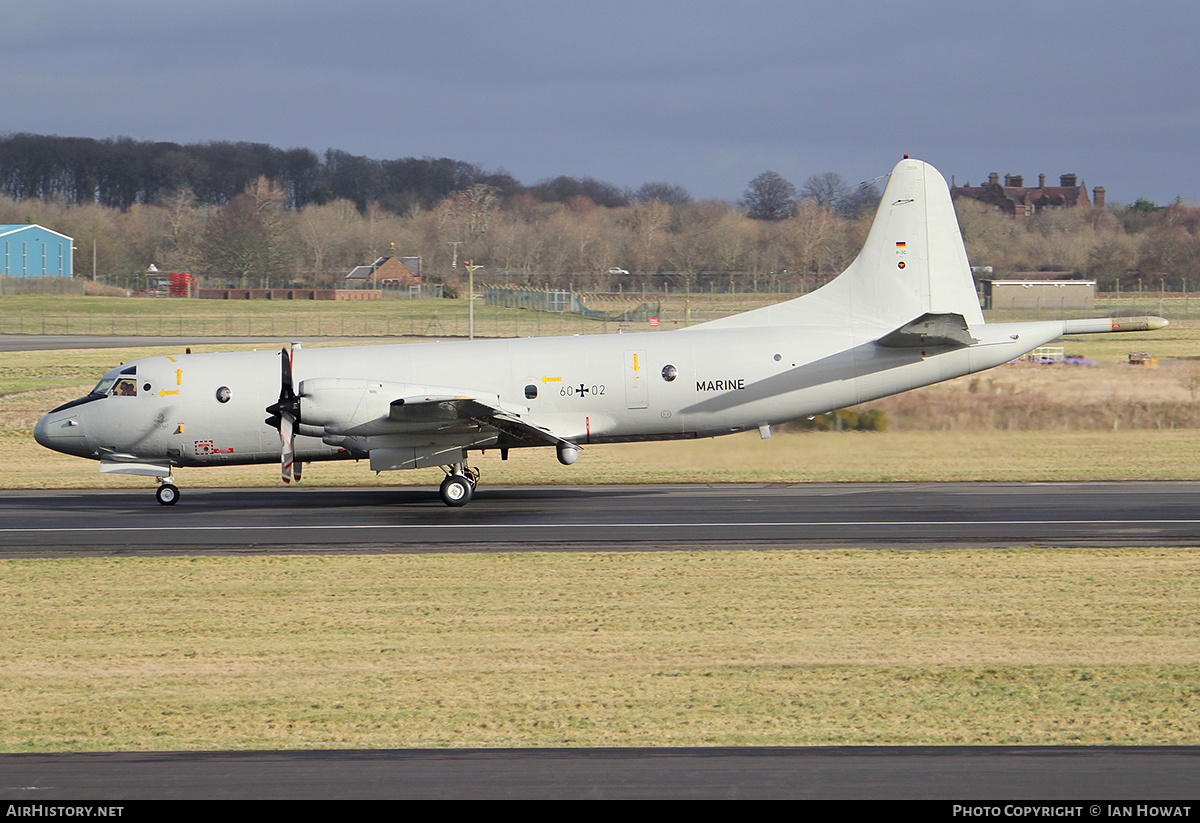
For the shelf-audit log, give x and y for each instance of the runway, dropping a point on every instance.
(1082, 775)
(602, 518)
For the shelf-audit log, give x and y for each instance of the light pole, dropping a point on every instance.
(471, 298)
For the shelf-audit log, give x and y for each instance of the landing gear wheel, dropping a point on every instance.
(456, 490)
(167, 494)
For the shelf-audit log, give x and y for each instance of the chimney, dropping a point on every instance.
(993, 179)
(1041, 181)
(1098, 197)
(1067, 180)
(1018, 180)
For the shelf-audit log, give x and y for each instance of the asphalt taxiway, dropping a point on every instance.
(566, 518)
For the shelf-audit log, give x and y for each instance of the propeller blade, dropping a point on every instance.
(287, 454)
(286, 414)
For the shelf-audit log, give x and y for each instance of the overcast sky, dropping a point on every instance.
(701, 94)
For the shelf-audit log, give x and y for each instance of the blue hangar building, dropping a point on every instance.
(35, 251)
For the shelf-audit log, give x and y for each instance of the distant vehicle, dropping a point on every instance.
(615, 270)
(904, 314)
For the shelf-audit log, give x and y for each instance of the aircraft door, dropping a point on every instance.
(636, 385)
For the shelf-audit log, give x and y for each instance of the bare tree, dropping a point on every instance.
(769, 197)
(824, 189)
(860, 202)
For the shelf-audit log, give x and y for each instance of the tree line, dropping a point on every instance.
(122, 172)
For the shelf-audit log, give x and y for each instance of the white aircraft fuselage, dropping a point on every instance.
(905, 314)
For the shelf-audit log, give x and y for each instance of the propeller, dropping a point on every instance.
(285, 415)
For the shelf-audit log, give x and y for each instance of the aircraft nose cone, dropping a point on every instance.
(41, 432)
(62, 432)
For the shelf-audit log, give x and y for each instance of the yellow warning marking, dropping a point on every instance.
(164, 392)
(179, 377)
(635, 362)
(551, 379)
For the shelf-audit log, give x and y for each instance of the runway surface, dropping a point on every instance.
(1085, 775)
(59, 523)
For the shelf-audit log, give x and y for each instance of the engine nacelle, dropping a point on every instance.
(337, 404)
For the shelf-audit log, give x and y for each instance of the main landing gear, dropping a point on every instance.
(459, 485)
(168, 492)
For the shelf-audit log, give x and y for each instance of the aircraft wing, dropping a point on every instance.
(426, 409)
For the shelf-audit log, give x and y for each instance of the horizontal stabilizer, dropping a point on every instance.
(930, 330)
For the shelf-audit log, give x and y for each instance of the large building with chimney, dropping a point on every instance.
(1021, 201)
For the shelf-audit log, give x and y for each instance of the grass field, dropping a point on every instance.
(730, 648)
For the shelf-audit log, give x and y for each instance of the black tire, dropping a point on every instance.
(167, 494)
(456, 490)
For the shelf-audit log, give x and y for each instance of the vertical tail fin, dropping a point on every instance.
(913, 263)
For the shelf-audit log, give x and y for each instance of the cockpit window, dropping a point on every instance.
(125, 387)
(104, 385)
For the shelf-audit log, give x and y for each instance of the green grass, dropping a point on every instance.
(1028, 646)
